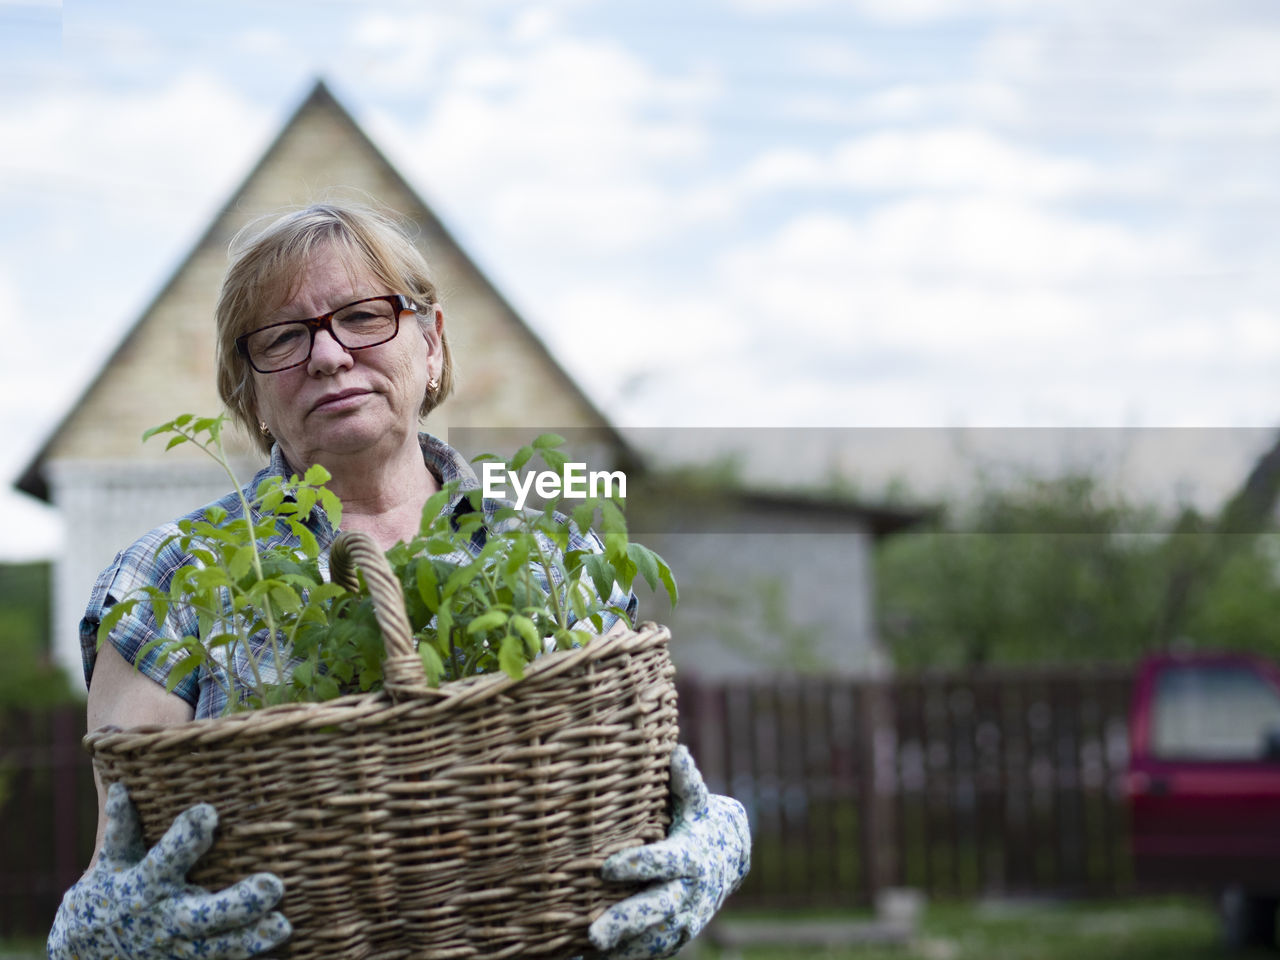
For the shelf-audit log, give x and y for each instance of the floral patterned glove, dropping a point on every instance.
(135, 904)
(702, 861)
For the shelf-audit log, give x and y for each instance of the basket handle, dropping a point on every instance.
(403, 675)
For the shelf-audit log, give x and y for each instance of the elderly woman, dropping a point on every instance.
(331, 346)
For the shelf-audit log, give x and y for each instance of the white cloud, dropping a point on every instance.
(894, 11)
(963, 159)
(396, 51)
(125, 148)
(560, 144)
(27, 399)
(979, 241)
(962, 311)
(1233, 59)
(1191, 71)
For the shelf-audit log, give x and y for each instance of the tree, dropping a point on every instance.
(29, 678)
(1059, 570)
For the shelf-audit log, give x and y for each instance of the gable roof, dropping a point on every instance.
(284, 174)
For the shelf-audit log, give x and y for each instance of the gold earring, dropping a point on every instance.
(262, 426)
(433, 384)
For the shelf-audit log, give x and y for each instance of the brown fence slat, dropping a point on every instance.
(49, 810)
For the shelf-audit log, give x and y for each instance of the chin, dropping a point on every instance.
(353, 434)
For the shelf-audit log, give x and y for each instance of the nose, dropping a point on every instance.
(327, 354)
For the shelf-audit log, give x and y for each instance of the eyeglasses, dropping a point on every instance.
(365, 323)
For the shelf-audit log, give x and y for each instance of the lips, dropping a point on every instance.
(339, 399)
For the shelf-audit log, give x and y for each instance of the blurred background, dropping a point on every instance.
(974, 302)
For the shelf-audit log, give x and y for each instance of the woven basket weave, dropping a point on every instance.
(465, 821)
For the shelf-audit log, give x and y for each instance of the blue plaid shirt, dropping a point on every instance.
(146, 562)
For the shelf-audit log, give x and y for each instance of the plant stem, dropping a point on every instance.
(561, 619)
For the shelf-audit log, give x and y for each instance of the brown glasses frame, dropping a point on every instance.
(325, 322)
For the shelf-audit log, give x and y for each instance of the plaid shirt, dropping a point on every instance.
(146, 562)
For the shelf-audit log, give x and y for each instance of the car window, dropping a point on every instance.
(1213, 713)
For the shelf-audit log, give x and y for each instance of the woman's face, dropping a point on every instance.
(347, 403)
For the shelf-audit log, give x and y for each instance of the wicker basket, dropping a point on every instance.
(465, 821)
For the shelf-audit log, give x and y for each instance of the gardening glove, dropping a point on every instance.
(135, 904)
(702, 861)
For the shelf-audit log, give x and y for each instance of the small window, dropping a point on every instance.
(1213, 713)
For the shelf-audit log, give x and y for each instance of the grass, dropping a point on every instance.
(1157, 929)
(1164, 929)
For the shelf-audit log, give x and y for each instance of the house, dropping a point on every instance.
(111, 488)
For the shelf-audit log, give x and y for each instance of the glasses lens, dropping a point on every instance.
(365, 324)
(280, 346)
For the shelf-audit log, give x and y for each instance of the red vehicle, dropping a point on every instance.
(1204, 783)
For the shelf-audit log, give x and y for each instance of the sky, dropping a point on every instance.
(733, 213)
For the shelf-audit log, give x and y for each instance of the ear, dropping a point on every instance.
(433, 334)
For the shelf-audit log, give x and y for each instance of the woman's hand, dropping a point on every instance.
(135, 904)
(702, 861)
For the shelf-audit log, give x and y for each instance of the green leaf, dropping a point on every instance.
(461, 577)
(555, 460)
(611, 519)
(577, 602)
(440, 546)
(270, 499)
(327, 688)
(584, 516)
(544, 441)
(159, 606)
(163, 644)
(332, 507)
(306, 499)
(521, 458)
(510, 658)
(646, 562)
(487, 621)
(163, 428)
(601, 573)
(431, 663)
(215, 514)
(241, 561)
(309, 545)
(668, 580)
(431, 509)
(175, 441)
(428, 585)
(528, 632)
(316, 475)
(286, 599)
(183, 668)
(114, 614)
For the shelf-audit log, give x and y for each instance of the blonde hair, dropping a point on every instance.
(267, 263)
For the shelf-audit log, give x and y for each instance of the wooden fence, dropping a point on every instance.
(1003, 782)
(961, 784)
(48, 815)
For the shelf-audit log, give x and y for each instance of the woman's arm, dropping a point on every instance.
(121, 696)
